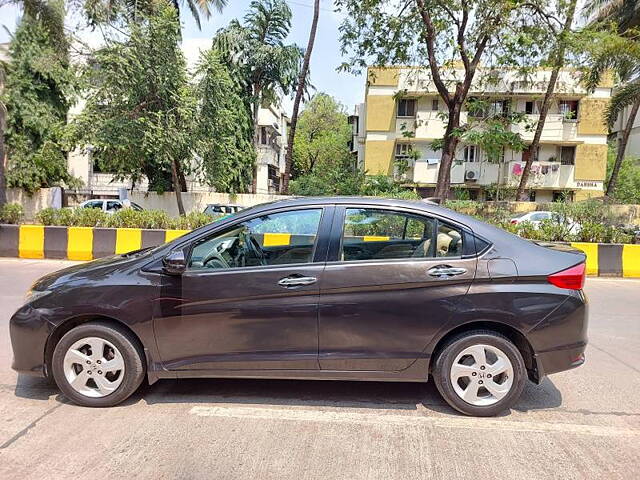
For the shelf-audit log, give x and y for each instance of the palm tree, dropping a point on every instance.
(624, 13)
(3, 126)
(302, 78)
(257, 55)
(621, 53)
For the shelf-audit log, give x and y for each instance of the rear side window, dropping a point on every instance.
(371, 234)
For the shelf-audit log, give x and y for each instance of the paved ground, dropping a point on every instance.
(579, 424)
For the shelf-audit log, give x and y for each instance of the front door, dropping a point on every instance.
(249, 298)
(394, 282)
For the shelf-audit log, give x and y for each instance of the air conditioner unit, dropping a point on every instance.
(472, 175)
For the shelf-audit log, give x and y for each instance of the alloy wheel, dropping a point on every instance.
(481, 375)
(94, 367)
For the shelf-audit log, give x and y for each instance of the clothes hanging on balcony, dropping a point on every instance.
(432, 161)
(554, 168)
(544, 169)
(517, 169)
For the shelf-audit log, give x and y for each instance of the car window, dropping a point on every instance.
(136, 207)
(113, 205)
(371, 234)
(94, 204)
(537, 217)
(273, 239)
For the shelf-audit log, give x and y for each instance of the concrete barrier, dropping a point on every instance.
(87, 243)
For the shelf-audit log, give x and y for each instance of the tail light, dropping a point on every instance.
(514, 221)
(571, 278)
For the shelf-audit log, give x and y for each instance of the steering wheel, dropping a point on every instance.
(254, 247)
(214, 256)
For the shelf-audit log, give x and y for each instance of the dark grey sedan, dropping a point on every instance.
(330, 288)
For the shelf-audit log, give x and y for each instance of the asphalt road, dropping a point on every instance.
(579, 424)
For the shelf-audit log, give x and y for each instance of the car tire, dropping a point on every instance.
(94, 378)
(476, 387)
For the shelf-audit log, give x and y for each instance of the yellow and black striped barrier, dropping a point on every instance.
(87, 243)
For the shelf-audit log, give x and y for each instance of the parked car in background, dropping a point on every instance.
(341, 288)
(215, 209)
(110, 205)
(536, 219)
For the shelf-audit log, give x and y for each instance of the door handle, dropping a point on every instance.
(292, 282)
(445, 271)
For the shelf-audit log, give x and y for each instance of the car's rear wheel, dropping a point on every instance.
(98, 364)
(480, 373)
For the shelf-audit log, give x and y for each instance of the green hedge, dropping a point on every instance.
(11, 213)
(125, 218)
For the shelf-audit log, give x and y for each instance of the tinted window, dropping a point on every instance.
(377, 234)
(113, 205)
(94, 204)
(275, 239)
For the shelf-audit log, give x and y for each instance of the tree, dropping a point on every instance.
(37, 96)
(300, 88)
(628, 184)
(322, 137)
(439, 34)
(258, 56)
(139, 116)
(107, 11)
(557, 61)
(224, 127)
(3, 127)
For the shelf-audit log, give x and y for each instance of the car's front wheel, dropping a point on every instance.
(480, 373)
(98, 364)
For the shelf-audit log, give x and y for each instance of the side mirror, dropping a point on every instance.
(174, 263)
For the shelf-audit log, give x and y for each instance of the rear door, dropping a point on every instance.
(393, 278)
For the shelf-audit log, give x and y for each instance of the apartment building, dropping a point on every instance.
(633, 144)
(271, 144)
(403, 113)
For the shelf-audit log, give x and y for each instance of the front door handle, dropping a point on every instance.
(445, 271)
(292, 282)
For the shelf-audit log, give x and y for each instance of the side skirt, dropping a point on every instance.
(417, 372)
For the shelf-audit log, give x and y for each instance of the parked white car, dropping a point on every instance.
(536, 218)
(110, 205)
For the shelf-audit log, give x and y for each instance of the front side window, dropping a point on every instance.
(271, 239)
(371, 234)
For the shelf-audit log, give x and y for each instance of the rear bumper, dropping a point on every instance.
(559, 341)
(560, 359)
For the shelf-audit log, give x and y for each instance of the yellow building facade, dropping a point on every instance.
(403, 113)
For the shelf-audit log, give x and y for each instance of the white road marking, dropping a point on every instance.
(331, 416)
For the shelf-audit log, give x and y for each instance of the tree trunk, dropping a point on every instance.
(622, 147)
(256, 134)
(448, 153)
(546, 103)
(176, 186)
(288, 158)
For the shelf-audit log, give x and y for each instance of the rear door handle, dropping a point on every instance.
(292, 282)
(445, 271)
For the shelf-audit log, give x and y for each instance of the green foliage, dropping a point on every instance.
(224, 127)
(124, 218)
(140, 112)
(257, 55)
(322, 135)
(11, 213)
(38, 91)
(628, 186)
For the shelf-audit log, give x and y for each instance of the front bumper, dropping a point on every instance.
(29, 333)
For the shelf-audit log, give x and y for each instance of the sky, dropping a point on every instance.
(347, 88)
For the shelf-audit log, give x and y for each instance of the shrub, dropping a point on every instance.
(48, 216)
(11, 213)
(88, 217)
(192, 221)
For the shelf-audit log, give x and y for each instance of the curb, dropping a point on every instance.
(88, 243)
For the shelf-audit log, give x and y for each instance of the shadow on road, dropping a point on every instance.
(373, 395)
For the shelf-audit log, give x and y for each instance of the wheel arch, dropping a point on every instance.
(64, 327)
(512, 333)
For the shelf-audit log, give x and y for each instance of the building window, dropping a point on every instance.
(526, 154)
(403, 150)
(435, 104)
(273, 178)
(532, 195)
(470, 153)
(569, 109)
(528, 108)
(567, 155)
(263, 136)
(407, 107)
